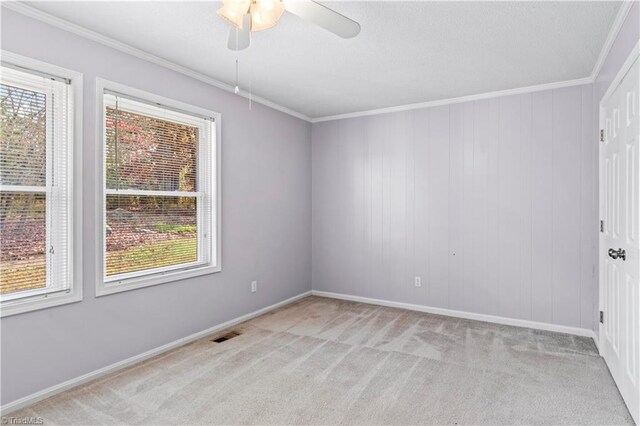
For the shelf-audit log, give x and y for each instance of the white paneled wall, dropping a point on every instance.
(491, 203)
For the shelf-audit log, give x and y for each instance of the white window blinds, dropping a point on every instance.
(35, 190)
(157, 176)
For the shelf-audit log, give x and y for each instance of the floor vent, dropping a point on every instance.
(226, 337)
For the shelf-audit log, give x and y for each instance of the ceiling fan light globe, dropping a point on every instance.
(233, 11)
(265, 14)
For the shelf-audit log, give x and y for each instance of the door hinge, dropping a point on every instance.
(601, 317)
(601, 135)
(602, 226)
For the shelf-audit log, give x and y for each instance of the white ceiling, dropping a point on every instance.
(407, 52)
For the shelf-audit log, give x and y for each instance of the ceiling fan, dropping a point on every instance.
(247, 16)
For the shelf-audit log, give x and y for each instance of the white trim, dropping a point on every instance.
(151, 98)
(470, 98)
(596, 340)
(461, 314)
(74, 216)
(621, 16)
(142, 106)
(123, 47)
(31, 294)
(77, 381)
(135, 280)
(155, 109)
(622, 72)
(130, 50)
(125, 282)
(618, 22)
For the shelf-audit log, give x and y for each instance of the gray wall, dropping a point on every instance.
(493, 203)
(266, 210)
(490, 202)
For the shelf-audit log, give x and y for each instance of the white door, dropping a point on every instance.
(619, 243)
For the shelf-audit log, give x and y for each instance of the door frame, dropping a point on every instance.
(624, 69)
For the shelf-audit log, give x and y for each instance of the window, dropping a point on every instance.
(160, 204)
(36, 191)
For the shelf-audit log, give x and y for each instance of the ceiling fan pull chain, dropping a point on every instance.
(237, 88)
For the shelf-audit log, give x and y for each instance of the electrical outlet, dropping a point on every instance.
(418, 281)
(254, 286)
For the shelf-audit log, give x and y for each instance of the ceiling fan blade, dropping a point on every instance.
(240, 39)
(321, 15)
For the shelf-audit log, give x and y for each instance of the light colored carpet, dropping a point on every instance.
(324, 361)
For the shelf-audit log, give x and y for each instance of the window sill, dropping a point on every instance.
(34, 303)
(105, 288)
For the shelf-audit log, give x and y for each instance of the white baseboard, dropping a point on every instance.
(596, 339)
(461, 314)
(46, 393)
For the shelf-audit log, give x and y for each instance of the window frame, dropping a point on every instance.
(151, 277)
(36, 299)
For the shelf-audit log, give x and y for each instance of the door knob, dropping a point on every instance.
(620, 253)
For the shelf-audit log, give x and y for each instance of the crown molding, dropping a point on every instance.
(621, 16)
(123, 47)
(622, 72)
(461, 99)
(140, 54)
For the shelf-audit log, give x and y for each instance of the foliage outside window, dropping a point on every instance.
(159, 170)
(35, 188)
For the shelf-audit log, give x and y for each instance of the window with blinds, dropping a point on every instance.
(35, 185)
(159, 192)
